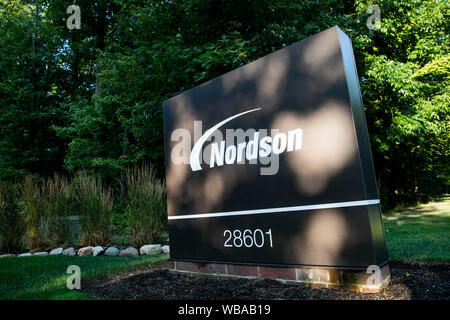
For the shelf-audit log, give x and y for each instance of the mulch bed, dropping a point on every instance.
(408, 281)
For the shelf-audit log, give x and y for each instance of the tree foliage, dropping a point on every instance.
(91, 98)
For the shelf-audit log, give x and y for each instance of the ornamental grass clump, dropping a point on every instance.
(35, 211)
(12, 225)
(60, 206)
(145, 205)
(94, 202)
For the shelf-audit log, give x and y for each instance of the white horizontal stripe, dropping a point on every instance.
(276, 210)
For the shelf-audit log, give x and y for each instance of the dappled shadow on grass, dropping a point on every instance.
(419, 234)
(424, 214)
(438, 208)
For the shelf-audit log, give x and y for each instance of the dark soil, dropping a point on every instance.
(408, 282)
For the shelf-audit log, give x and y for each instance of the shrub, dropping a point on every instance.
(145, 205)
(34, 206)
(12, 226)
(95, 204)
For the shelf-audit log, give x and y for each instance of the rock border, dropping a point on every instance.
(148, 249)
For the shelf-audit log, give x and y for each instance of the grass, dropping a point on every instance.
(145, 205)
(45, 278)
(420, 233)
(95, 203)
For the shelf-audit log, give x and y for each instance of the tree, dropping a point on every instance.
(29, 90)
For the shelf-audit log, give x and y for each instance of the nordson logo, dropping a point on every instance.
(251, 145)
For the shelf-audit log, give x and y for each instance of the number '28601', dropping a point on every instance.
(247, 238)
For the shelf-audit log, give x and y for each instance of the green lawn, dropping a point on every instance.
(419, 233)
(46, 277)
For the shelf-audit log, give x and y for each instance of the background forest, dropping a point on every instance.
(91, 98)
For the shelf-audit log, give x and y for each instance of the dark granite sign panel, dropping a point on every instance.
(270, 164)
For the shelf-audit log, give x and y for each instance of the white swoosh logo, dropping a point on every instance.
(195, 153)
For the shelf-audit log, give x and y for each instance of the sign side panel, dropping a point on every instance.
(368, 170)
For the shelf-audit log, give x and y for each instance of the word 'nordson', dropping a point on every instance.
(262, 147)
(255, 147)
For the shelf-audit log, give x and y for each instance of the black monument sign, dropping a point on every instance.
(270, 164)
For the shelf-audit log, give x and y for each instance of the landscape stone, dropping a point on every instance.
(112, 252)
(56, 251)
(150, 249)
(129, 252)
(165, 249)
(8, 255)
(85, 251)
(69, 251)
(97, 251)
(24, 255)
(40, 254)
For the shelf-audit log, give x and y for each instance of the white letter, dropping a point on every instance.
(216, 154)
(216, 137)
(240, 152)
(266, 149)
(279, 143)
(291, 138)
(251, 152)
(230, 154)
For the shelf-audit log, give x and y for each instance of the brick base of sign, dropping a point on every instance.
(352, 280)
